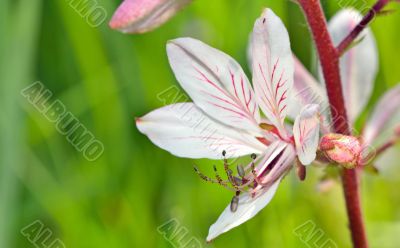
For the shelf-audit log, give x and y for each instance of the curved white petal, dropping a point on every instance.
(185, 131)
(358, 66)
(248, 207)
(250, 204)
(279, 166)
(215, 82)
(271, 152)
(272, 67)
(384, 117)
(306, 133)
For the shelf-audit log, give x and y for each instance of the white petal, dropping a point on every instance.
(248, 207)
(272, 67)
(306, 90)
(306, 133)
(385, 116)
(278, 167)
(273, 150)
(215, 82)
(358, 67)
(185, 131)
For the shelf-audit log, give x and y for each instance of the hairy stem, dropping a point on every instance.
(329, 57)
(379, 5)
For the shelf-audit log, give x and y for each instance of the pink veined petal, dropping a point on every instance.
(306, 133)
(251, 204)
(185, 131)
(272, 67)
(139, 16)
(384, 117)
(248, 207)
(358, 67)
(306, 90)
(273, 150)
(277, 168)
(215, 82)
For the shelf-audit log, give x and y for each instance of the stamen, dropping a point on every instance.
(240, 171)
(229, 172)
(218, 177)
(235, 202)
(237, 184)
(218, 181)
(202, 176)
(253, 169)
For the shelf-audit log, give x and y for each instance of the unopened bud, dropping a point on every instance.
(139, 16)
(342, 149)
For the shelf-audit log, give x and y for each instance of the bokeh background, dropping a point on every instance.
(106, 78)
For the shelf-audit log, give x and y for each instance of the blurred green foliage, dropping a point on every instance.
(106, 78)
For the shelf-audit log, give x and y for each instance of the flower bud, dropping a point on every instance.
(342, 149)
(139, 16)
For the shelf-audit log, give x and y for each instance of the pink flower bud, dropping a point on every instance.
(139, 16)
(342, 149)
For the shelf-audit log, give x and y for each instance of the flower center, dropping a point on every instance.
(245, 180)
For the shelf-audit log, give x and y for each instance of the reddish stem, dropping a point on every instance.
(379, 5)
(386, 146)
(329, 58)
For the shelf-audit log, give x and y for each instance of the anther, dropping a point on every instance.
(235, 202)
(238, 181)
(253, 156)
(240, 171)
(253, 169)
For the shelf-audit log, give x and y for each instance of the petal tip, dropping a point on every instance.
(307, 160)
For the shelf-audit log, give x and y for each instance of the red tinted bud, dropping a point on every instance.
(139, 16)
(342, 149)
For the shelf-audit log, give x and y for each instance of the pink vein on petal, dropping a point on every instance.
(228, 109)
(223, 100)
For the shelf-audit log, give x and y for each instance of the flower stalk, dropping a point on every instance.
(329, 57)
(376, 9)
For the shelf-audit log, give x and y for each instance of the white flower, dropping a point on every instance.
(358, 68)
(225, 114)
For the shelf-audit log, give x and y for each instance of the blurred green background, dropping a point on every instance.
(106, 78)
